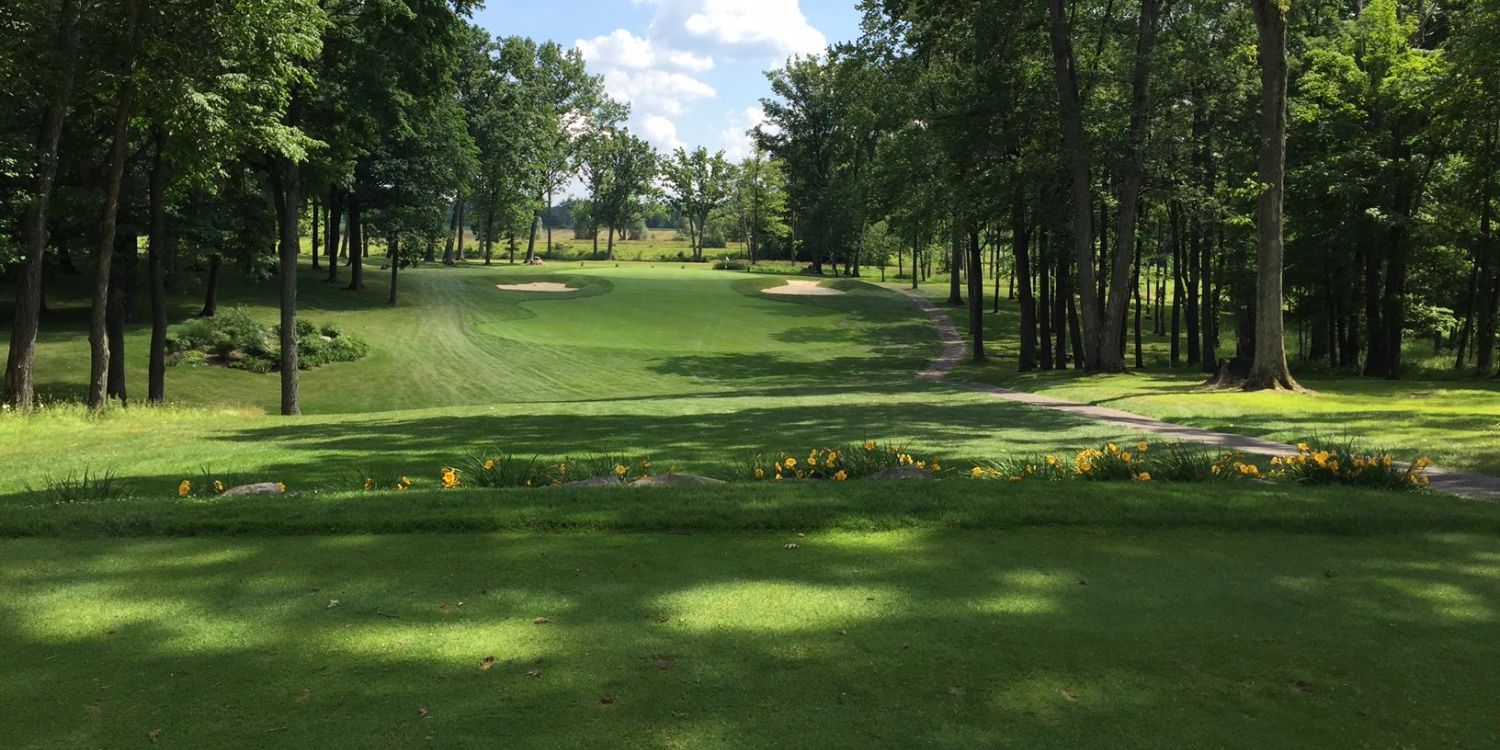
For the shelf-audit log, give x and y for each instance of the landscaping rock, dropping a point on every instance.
(605, 481)
(671, 479)
(264, 488)
(901, 472)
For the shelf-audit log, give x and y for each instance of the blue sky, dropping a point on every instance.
(692, 70)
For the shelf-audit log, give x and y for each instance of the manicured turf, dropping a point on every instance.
(688, 366)
(918, 638)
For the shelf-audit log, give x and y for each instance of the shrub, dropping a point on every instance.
(731, 265)
(331, 330)
(241, 342)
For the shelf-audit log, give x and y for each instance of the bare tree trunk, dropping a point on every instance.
(1269, 369)
(1021, 249)
(459, 256)
(1112, 329)
(119, 150)
(955, 262)
(1076, 140)
(1489, 265)
(531, 240)
(288, 194)
(452, 227)
(118, 313)
(335, 214)
(356, 243)
(1044, 314)
(976, 295)
(395, 243)
(156, 271)
(316, 248)
(211, 292)
(20, 379)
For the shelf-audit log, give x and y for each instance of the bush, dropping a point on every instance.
(241, 342)
(713, 241)
(731, 265)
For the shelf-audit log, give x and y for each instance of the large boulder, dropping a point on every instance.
(663, 480)
(263, 488)
(901, 472)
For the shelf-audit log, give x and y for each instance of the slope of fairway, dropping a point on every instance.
(1037, 638)
(457, 340)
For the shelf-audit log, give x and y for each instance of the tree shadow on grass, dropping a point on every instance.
(1048, 639)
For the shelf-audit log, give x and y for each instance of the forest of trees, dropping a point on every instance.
(344, 122)
(1094, 144)
(1078, 147)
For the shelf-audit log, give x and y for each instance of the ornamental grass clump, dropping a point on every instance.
(87, 487)
(1346, 464)
(373, 478)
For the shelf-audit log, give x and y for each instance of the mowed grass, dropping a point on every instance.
(685, 365)
(1454, 421)
(1047, 638)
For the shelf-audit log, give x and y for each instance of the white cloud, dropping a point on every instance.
(737, 141)
(661, 73)
(737, 28)
(662, 133)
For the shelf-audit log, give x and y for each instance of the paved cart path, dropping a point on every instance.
(955, 350)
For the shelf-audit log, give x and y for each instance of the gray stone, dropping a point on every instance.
(901, 472)
(263, 488)
(604, 481)
(664, 480)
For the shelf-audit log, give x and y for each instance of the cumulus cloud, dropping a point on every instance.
(662, 133)
(737, 141)
(661, 74)
(772, 29)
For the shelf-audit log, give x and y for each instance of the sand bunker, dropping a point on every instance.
(537, 286)
(801, 288)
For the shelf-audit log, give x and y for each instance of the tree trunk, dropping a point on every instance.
(288, 196)
(976, 295)
(1488, 268)
(118, 312)
(459, 255)
(1075, 332)
(356, 243)
(20, 379)
(119, 150)
(1140, 361)
(453, 217)
(489, 236)
(316, 248)
(1269, 368)
(156, 270)
(1112, 328)
(611, 242)
(549, 223)
(955, 261)
(335, 214)
(531, 240)
(1044, 314)
(1076, 142)
(1021, 250)
(1178, 289)
(211, 288)
(395, 243)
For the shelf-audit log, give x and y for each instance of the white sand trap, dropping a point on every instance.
(802, 288)
(537, 286)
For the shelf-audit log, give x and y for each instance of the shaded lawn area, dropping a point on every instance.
(1452, 419)
(1038, 638)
